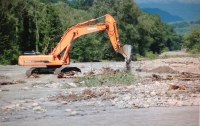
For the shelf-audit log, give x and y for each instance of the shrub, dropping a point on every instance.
(122, 77)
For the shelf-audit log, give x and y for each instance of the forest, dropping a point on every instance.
(184, 27)
(38, 25)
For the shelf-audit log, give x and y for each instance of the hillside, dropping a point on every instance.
(183, 27)
(39, 25)
(165, 16)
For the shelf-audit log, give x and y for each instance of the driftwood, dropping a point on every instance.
(156, 77)
(186, 76)
(70, 74)
(174, 87)
(9, 83)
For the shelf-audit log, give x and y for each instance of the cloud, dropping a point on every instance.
(168, 1)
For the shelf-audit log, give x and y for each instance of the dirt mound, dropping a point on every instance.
(163, 69)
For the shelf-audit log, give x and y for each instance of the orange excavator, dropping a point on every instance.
(59, 56)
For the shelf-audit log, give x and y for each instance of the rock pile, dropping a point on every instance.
(103, 70)
(154, 94)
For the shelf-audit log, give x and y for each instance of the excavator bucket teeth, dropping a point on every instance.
(126, 52)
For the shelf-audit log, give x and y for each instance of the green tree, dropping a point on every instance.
(86, 50)
(174, 41)
(42, 28)
(159, 36)
(192, 41)
(39, 25)
(9, 27)
(125, 13)
(145, 29)
(83, 47)
(53, 31)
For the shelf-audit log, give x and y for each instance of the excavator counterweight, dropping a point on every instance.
(60, 54)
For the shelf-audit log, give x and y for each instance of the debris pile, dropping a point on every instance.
(138, 95)
(89, 93)
(10, 83)
(84, 95)
(34, 75)
(99, 71)
(174, 87)
(156, 77)
(103, 70)
(69, 74)
(186, 76)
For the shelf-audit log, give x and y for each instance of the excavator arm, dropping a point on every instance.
(60, 54)
(83, 28)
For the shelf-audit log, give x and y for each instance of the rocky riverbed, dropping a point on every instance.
(46, 97)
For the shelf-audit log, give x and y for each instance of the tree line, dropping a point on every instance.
(184, 27)
(38, 25)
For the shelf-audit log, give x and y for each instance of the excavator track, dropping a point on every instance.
(50, 70)
(40, 70)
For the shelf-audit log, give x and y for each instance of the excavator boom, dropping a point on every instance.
(60, 54)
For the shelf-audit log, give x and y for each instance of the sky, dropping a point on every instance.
(168, 1)
(186, 9)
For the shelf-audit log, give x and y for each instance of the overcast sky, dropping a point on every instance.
(167, 1)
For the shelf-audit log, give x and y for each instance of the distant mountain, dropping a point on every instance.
(186, 9)
(165, 16)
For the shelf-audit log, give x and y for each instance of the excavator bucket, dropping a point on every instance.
(126, 52)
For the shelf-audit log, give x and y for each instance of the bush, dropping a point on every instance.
(151, 55)
(122, 77)
(192, 41)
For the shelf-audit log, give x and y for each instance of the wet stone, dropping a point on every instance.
(74, 113)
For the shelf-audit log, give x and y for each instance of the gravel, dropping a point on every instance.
(44, 97)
